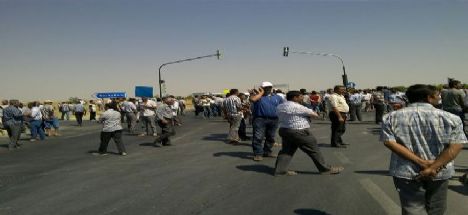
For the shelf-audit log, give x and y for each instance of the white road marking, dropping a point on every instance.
(389, 206)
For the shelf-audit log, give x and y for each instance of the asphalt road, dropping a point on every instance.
(200, 174)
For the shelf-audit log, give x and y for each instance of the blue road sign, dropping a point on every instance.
(111, 95)
(143, 91)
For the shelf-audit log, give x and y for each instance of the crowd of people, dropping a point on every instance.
(423, 127)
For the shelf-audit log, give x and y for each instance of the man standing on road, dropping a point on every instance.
(12, 121)
(148, 107)
(111, 129)
(233, 107)
(295, 132)
(378, 100)
(130, 109)
(452, 99)
(165, 119)
(338, 110)
(424, 141)
(265, 121)
(80, 111)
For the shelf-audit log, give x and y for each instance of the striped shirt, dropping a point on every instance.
(233, 105)
(293, 115)
(425, 131)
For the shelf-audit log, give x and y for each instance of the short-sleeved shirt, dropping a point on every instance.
(149, 107)
(110, 120)
(233, 105)
(452, 100)
(266, 106)
(425, 131)
(293, 115)
(378, 97)
(79, 108)
(339, 102)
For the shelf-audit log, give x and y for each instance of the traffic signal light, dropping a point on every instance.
(285, 51)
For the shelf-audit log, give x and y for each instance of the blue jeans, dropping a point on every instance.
(422, 197)
(264, 128)
(36, 127)
(206, 111)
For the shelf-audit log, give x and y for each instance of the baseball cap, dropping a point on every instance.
(266, 84)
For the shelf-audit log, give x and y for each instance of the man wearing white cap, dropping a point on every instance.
(265, 121)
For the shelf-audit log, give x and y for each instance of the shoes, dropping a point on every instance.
(287, 173)
(155, 135)
(345, 144)
(234, 142)
(99, 153)
(167, 144)
(270, 155)
(32, 140)
(142, 135)
(333, 170)
(258, 158)
(277, 144)
(123, 153)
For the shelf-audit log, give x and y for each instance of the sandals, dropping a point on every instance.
(333, 170)
(287, 173)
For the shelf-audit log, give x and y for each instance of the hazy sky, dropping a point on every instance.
(61, 48)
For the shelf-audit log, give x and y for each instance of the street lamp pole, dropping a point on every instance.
(344, 76)
(218, 54)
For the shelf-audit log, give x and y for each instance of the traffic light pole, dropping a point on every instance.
(344, 76)
(218, 54)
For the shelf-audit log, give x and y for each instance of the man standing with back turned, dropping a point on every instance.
(424, 141)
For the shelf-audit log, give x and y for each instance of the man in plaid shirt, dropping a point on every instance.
(424, 141)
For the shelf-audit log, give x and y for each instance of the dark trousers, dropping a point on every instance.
(242, 130)
(167, 130)
(338, 128)
(263, 129)
(355, 111)
(92, 116)
(422, 197)
(460, 114)
(14, 133)
(379, 112)
(79, 118)
(107, 136)
(303, 139)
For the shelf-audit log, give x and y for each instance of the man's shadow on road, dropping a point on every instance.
(242, 155)
(260, 168)
(310, 212)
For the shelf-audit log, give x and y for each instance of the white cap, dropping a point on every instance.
(267, 84)
(247, 93)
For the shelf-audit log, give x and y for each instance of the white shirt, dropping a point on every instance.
(36, 113)
(339, 102)
(149, 108)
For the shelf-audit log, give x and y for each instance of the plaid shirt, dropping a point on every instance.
(293, 115)
(425, 131)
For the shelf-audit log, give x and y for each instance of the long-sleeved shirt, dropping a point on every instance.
(110, 120)
(12, 115)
